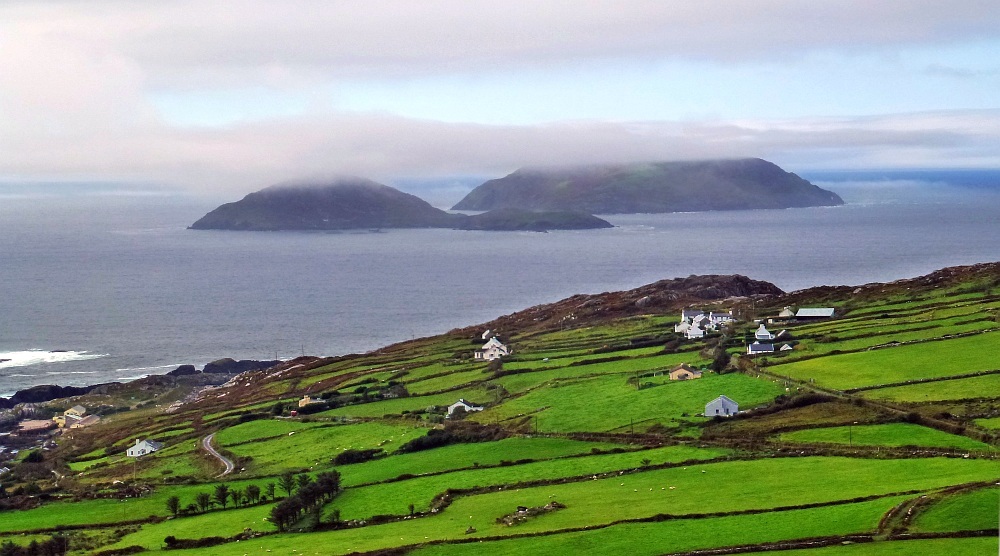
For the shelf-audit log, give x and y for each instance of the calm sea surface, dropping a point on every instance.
(95, 288)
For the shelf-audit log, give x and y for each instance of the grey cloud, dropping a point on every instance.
(247, 157)
(260, 40)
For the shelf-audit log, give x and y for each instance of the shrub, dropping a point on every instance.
(348, 457)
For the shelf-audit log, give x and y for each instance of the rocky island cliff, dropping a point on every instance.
(651, 187)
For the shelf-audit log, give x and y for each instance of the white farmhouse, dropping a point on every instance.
(763, 334)
(723, 406)
(493, 349)
(464, 405)
(143, 447)
(694, 332)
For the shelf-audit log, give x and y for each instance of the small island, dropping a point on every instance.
(652, 187)
(354, 203)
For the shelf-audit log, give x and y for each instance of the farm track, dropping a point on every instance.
(207, 444)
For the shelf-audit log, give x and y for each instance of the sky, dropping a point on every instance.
(229, 96)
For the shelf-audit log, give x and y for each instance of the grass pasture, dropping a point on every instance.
(395, 497)
(606, 403)
(898, 364)
(978, 546)
(892, 435)
(965, 511)
(316, 446)
(654, 538)
(940, 390)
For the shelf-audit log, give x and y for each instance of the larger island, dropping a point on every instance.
(651, 187)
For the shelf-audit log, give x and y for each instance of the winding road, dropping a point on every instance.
(207, 444)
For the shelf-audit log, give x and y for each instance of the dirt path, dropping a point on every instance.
(207, 444)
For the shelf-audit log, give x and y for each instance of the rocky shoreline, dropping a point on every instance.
(220, 369)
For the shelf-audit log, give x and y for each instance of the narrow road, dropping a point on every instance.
(207, 444)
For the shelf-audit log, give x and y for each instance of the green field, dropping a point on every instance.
(957, 389)
(608, 402)
(827, 446)
(893, 434)
(981, 546)
(898, 364)
(974, 510)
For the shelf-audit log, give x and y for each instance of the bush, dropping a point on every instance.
(348, 457)
(454, 433)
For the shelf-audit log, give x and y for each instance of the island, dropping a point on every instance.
(651, 187)
(355, 203)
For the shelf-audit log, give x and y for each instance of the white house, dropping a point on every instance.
(786, 313)
(461, 403)
(682, 327)
(690, 314)
(492, 349)
(723, 406)
(786, 347)
(720, 318)
(763, 334)
(694, 332)
(143, 447)
(757, 347)
(76, 411)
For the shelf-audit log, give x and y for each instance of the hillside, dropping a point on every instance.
(650, 188)
(875, 432)
(353, 203)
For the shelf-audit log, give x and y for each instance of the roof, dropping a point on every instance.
(79, 409)
(151, 443)
(683, 367)
(815, 312)
(725, 399)
(759, 347)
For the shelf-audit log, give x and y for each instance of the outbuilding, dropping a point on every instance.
(684, 372)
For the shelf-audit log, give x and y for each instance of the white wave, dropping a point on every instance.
(70, 372)
(37, 356)
(130, 369)
(130, 378)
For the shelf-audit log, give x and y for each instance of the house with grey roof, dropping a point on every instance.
(758, 348)
(143, 447)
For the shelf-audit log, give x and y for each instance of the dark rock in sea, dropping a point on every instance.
(44, 393)
(231, 366)
(360, 204)
(183, 370)
(650, 188)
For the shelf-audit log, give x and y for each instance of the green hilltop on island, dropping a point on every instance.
(353, 203)
(651, 187)
(698, 415)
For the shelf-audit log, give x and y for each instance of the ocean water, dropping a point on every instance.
(110, 285)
